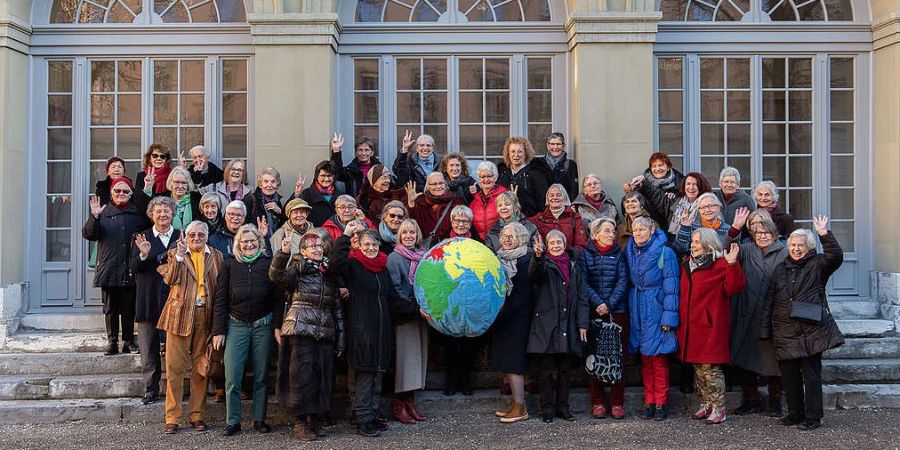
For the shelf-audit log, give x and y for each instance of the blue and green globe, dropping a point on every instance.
(461, 285)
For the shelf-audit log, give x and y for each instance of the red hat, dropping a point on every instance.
(125, 180)
(112, 160)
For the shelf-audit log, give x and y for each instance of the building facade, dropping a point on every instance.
(805, 93)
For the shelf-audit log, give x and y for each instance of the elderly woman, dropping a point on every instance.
(766, 195)
(415, 167)
(233, 186)
(508, 212)
(509, 336)
(461, 218)
(752, 356)
(392, 215)
(310, 332)
(517, 174)
(559, 215)
(187, 200)
(192, 273)
(245, 301)
(796, 300)
(323, 193)
(653, 311)
(372, 301)
(731, 196)
(156, 167)
(113, 226)
(347, 211)
(376, 192)
(354, 175)
(203, 171)
(456, 172)
(412, 335)
(115, 168)
(632, 208)
(558, 287)
(558, 167)
(605, 273)
(295, 227)
(235, 213)
(669, 209)
(431, 209)
(710, 210)
(664, 177)
(484, 205)
(210, 211)
(264, 204)
(147, 254)
(710, 277)
(593, 202)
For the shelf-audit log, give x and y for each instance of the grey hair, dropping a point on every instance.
(211, 197)
(202, 149)
(764, 218)
(562, 190)
(237, 204)
(461, 210)
(370, 234)
(807, 235)
(184, 172)
(730, 172)
(426, 137)
(709, 240)
(344, 198)
(767, 184)
(269, 171)
(196, 224)
(598, 222)
(644, 221)
(556, 234)
(591, 175)
(394, 204)
(522, 234)
(709, 195)
(247, 228)
(487, 165)
(767, 225)
(512, 198)
(435, 174)
(161, 201)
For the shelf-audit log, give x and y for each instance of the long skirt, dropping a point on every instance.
(411, 355)
(305, 375)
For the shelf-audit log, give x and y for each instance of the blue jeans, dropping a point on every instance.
(242, 341)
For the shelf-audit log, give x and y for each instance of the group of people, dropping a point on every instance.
(217, 275)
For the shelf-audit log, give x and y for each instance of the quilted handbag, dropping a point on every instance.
(604, 359)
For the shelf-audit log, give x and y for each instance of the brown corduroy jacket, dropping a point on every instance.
(177, 315)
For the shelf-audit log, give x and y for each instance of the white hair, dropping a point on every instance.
(487, 165)
(196, 224)
(808, 236)
(183, 172)
(562, 190)
(237, 204)
(767, 184)
(461, 210)
(730, 172)
(709, 240)
(202, 149)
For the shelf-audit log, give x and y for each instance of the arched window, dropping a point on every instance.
(757, 10)
(147, 11)
(452, 11)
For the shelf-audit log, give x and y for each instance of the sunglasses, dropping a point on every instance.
(396, 216)
(121, 191)
(159, 156)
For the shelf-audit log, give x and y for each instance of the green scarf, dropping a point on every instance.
(249, 259)
(183, 214)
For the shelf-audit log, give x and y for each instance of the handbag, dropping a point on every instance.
(212, 364)
(426, 243)
(809, 308)
(604, 359)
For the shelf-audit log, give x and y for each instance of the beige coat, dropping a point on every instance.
(177, 315)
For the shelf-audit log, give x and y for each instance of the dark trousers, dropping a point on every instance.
(750, 387)
(554, 381)
(367, 395)
(118, 304)
(802, 379)
(459, 356)
(151, 364)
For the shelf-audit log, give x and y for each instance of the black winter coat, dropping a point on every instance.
(255, 203)
(406, 169)
(554, 324)
(212, 175)
(314, 309)
(369, 308)
(151, 292)
(531, 184)
(114, 232)
(565, 173)
(322, 209)
(802, 280)
(351, 175)
(222, 240)
(460, 187)
(243, 291)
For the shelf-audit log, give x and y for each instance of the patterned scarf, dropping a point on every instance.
(508, 260)
(553, 162)
(414, 256)
(427, 164)
(183, 213)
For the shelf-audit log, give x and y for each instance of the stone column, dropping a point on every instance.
(886, 156)
(294, 83)
(611, 70)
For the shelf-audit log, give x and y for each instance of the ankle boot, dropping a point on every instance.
(411, 409)
(315, 424)
(505, 411)
(302, 430)
(400, 412)
(518, 413)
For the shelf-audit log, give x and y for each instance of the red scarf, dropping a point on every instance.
(374, 265)
(364, 168)
(596, 203)
(467, 235)
(161, 174)
(561, 261)
(325, 191)
(604, 250)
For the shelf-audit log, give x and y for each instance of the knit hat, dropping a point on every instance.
(125, 180)
(112, 160)
(294, 204)
(376, 172)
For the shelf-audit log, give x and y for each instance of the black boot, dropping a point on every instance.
(112, 349)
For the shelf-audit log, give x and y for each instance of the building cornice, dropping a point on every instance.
(295, 29)
(612, 27)
(886, 31)
(15, 34)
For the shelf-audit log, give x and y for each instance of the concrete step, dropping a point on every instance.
(88, 322)
(865, 327)
(854, 309)
(873, 371)
(43, 387)
(68, 363)
(861, 348)
(54, 342)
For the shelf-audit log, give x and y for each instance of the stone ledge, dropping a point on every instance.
(15, 34)
(295, 29)
(886, 31)
(612, 27)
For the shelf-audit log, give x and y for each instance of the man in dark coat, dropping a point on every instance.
(203, 172)
(417, 165)
(353, 174)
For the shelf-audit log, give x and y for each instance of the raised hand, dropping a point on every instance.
(262, 225)
(181, 161)
(731, 254)
(515, 190)
(181, 246)
(298, 186)
(538, 246)
(143, 245)
(820, 223)
(411, 194)
(686, 218)
(636, 182)
(150, 178)
(359, 214)
(740, 217)
(626, 187)
(286, 242)
(353, 228)
(473, 189)
(96, 207)
(407, 142)
(337, 142)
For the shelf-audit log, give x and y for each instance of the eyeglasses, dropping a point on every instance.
(345, 207)
(235, 215)
(707, 207)
(460, 221)
(159, 156)
(196, 235)
(121, 191)
(486, 177)
(313, 246)
(248, 242)
(180, 183)
(762, 233)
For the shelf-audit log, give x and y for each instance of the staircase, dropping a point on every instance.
(53, 375)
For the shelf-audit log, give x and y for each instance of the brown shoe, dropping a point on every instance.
(504, 412)
(315, 424)
(518, 412)
(170, 428)
(302, 431)
(199, 425)
(400, 413)
(411, 407)
(219, 396)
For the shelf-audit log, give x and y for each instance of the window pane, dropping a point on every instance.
(800, 139)
(435, 74)
(408, 107)
(842, 138)
(59, 178)
(800, 105)
(742, 165)
(59, 110)
(58, 245)
(800, 73)
(193, 75)
(470, 73)
(166, 136)
(165, 109)
(129, 76)
(712, 139)
(497, 107)
(231, 11)
(408, 74)
(470, 107)
(234, 142)
(234, 74)
(103, 109)
(496, 137)
(841, 171)
(739, 73)
(670, 106)
(59, 76)
(773, 169)
(773, 72)
(669, 73)
(366, 75)
(739, 105)
(800, 204)
(671, 138)
(739, 139)
(103, 76)
(497, 74)
(365, 107)
(435, 107)
(165, 76)
(102, 142)
(843, 232)
(192, 109)
(537, 134)
(59, 143)
(129, 109)
(129, 143)
(712, 73)
(439, 133)
(842, 72)
(842, 204)
(773, 138)
(205, 13)
(773, 105)
(234, 109)
(711, 105)
(539, 73)
(190, 137)
(59, 212)
(841, 105)
(710, 168)
(471, 140)
(800, 171)
(540, 107)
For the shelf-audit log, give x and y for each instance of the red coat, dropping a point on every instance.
(569, 222)
(337, 231)
(427, 214)
(484, 210)
(705, 311)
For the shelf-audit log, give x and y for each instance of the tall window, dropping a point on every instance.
(147, 11)
(59, 161)
(452, 11)
(757, 10)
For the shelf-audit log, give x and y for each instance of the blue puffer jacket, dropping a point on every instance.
(653, 301)
(606, 277)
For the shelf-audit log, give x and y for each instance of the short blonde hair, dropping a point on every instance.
(178, 170)
(415, 225)
(244, 229)
(267, 171)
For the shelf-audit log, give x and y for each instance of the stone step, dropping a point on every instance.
(431, 403)
(68, 363)
(861, 371)
(88, 322)
(54, 342)
(865, 327)
(861, 348)
(854, 309)
(43, 387)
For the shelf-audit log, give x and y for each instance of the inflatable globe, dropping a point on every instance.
(461, 285)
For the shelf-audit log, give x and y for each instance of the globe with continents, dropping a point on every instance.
(461, 285)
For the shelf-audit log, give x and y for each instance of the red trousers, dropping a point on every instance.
(616, 391)
(655, 373)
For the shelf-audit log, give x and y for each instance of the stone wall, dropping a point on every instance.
(886, 291)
